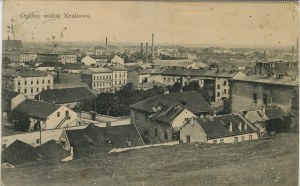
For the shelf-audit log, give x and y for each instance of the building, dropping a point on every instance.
(88, 61)
(94, 140)
(119, 77)
(221, 129)
(68, 57)
(106, 79)
(48, 57)
(144, 114)
(28, 57)
(256, 92)
(100, 50)
(117, 61)
(69, 97)
(10, 100)
(45, 116)
(30, 83)
(12, 45)
(51, 150)
(72, 68)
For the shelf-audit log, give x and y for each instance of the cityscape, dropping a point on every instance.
(171, 98)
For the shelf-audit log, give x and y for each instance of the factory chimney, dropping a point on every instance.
(146, 52)
(106, 42)
(142, 52)
(152, 47)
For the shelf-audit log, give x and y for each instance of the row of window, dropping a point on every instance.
(102, 77)
(32, 90)
(224, 92)
(37, 82)
(105, 84)
(235, 139)
(171, 79)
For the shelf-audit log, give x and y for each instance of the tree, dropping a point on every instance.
(21, 121)
(175, 88)
(192, 86)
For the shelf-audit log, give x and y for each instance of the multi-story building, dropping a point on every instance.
(119, 76)
(68, 58)
(256, 92)
(28, 57)
(30, 83)
(99, 50)
(48, 57)
(104, 79)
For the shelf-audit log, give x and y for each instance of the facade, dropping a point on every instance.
(99, 50)
(88, 61)
(68, 58)
(221, 129)
(45, 116)
(10, 100)
(105, 79)
(117, 61)
(28, 57)
(48, 57)
(30, 83)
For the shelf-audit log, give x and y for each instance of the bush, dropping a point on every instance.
(21, 121)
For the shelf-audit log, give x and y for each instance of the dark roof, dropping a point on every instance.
(95, 140)
(67, 95)
(30, 73)
(275, 113)
(167, 114)
(73, 66)
(37, 109)
(219, 126)
(19, 153)
(52, 151)
(193, 100)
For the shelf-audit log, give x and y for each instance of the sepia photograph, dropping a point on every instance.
(143, 93)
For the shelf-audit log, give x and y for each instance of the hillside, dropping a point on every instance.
(264, 162)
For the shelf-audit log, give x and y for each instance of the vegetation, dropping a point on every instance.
(21, 121)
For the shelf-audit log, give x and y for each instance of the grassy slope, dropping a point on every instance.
(269, 162)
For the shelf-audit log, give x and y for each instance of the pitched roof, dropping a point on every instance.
(219, 126)
(275, 113)
(193, 100)
(100, 70)
(167, 114)
(114, 68)
(19, 153)
(37, 109)
(6, 97)
(95, 140)
(66, 95)
(52, 151)
(285, 80)
(30, 73)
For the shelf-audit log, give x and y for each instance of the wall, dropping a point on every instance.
(195, 131)
(180, 120)
(221, 89)
(53, 120)
(231, 138)
(242, 95)
(142, 77)
(17, 100)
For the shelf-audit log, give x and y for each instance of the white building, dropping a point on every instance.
(117, 61)
(28, 57)
(88, 61)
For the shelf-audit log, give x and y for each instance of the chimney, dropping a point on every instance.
(152, 47)
(230, 127)
(146, 52)
(142, 52)
(105, 42)
(240, 126)
(108, 124)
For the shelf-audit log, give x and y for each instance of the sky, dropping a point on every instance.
(219, 24)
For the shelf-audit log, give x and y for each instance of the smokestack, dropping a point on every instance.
(293, 53)
(105, 42)
(146, 52)
(142, 52)
(152, 47)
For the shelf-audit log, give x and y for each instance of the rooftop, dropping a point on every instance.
(100, 70)
(285, 80)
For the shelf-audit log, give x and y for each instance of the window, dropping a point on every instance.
(236, 139)
(243, 138)
(3, 146)
(250, 137)
(37, 89)
(37, 82)
(218, 94)
(31, 90)
(19, 90)
(42, 88)
(254, 97)
(225, 83)
(218, 86)
(215, 141)
(32, 82)
(188, 139)
(67, 113)
(19, 83)
(265, 99)
(25, 82)
(58, 114)
(224, 91)
(49, 81)
(221, 140)
(43, 81)
(155, 132)
(25, 90)
(37, 141)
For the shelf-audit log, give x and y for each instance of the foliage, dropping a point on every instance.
(177, 87)
(21, 121)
